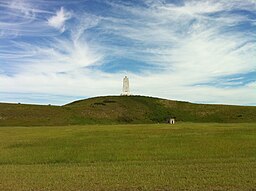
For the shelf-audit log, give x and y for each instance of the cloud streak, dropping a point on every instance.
(58, 21)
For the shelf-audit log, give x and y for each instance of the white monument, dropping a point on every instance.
(126, 89)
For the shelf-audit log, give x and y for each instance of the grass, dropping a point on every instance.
(122, 110)
(186, 156)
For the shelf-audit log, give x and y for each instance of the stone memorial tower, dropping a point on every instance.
(126, 88)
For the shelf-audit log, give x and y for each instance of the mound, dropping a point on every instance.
(122, 109)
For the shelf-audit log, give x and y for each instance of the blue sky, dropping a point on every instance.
(193, 50)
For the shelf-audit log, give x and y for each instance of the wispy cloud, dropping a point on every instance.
(58, 21)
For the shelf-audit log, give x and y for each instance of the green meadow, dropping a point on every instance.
(185, 156)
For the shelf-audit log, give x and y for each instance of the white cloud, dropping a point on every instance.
(20, 18)
(188, 44)
(58, 21)
(252, 85)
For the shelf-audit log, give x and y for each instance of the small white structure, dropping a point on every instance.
(171, 121)
(126, 88)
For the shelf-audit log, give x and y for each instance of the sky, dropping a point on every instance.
(55, 52)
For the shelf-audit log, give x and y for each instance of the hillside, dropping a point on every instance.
(122, 109)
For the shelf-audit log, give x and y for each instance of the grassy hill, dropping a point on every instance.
(122, 109)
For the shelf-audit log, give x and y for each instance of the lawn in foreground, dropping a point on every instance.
(129, 157)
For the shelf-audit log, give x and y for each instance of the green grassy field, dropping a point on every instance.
(186, 156)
